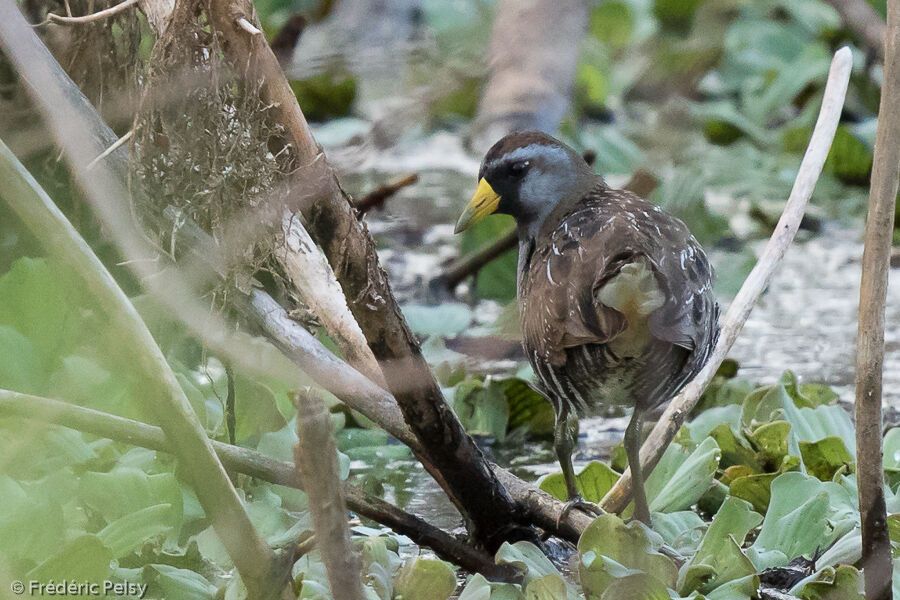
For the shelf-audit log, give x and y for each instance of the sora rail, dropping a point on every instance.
(615, 295)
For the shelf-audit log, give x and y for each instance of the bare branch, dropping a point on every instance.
(376, 198)
(876, 543)
(315, 457)
(97, 16)
(732, 323)
(118, 144)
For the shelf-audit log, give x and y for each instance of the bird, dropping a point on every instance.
(615, 295)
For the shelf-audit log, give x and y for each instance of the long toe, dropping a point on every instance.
(581, 504)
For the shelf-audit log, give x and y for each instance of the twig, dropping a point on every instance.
(97, 16)
(810, 168)
(473, 262)
(864, 21)
(249, 462)
(376, 198)
(315, 457)
(118, 144)
(876, 543)
(252, 556)
(247, 26)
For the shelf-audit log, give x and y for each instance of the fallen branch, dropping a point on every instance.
(315, 457)
(876, 542)
(255, 464)
(864, 21)
(97, 16)
(376, 198)
(733, 321)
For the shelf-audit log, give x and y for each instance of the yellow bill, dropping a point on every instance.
(483, 203)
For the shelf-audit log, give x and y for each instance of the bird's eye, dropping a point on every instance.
(519, 168)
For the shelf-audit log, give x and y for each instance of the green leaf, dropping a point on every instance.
(479, 588)
(771, 441)
(530, 560)
(800, 519)
(255, 408)
(425, 579)
(124, 491)
(701, 425)
(83, 559)
(639, 586)
(609, 549)
(527, 408)
(178, 583)
(734, 450)
(826, 457)
(20, 369)
(21, 511)
(840, 583)
(548, 587)
(482, 409)
(593, 482)
(679, 483)
(719, 558)
(497, 279)
(681, 530)
(612, 23)
(127, 534)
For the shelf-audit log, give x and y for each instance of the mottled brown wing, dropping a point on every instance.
(588, 246)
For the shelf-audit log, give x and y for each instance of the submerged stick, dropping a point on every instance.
(819, 144)
(876, 543)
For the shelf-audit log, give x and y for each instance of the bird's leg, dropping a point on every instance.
(565, 436)
(633, 450)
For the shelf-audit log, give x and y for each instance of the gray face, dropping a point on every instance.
(532, 180)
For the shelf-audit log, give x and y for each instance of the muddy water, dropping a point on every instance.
(806, 321)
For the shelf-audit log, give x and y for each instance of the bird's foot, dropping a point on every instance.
(581, 504)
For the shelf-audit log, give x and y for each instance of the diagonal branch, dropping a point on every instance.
(333, 224)
(810, 168)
